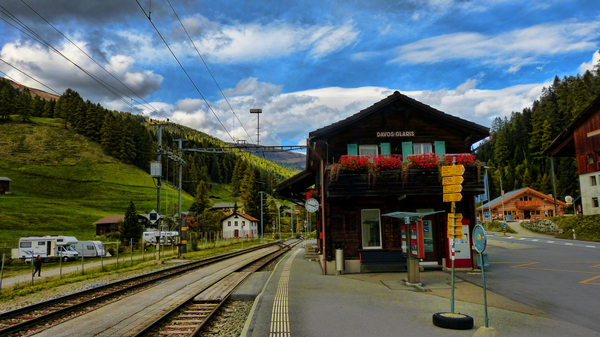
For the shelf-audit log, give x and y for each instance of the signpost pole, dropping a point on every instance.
(452, 254)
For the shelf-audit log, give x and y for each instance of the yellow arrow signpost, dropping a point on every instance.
(451, 182)
(452, 189)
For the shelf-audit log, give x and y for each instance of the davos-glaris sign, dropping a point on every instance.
(395, 134)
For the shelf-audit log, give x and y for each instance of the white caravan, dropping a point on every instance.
(49, 246)
(90, 248)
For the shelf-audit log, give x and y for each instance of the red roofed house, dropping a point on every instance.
(239, 225)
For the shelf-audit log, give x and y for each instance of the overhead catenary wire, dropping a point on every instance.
(185, 71)
(211, 74)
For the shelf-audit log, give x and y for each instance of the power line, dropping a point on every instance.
(206, 65)
(91, 58)
(183, 68)
(117, 93)
(22, 72)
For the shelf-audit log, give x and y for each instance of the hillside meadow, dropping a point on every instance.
(61, 183)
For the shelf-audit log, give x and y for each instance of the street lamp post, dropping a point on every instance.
(490, 197)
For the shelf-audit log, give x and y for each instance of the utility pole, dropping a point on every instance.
(182, 229)
(262, 234)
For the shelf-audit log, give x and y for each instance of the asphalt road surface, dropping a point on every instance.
(560, 277)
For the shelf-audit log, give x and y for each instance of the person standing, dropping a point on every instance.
(38, 266)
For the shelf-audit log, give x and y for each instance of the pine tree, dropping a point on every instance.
(132, 229)
(201, 200)
(526, 178)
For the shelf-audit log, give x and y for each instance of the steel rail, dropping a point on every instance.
(150, 329)
(150, 277)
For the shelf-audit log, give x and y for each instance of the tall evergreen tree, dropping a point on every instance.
(132, 229)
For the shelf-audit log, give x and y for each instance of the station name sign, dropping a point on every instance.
(395, 134)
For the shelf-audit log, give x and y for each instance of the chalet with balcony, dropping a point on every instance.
(522, 204)
(383, 159)
(581, 139)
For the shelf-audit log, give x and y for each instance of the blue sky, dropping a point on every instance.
(306, 64)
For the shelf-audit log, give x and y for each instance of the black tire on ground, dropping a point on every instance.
(454, 321)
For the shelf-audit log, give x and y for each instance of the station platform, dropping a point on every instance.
(297, 300)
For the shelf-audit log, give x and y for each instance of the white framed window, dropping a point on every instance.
(229, 223)
(367, 150)
(595, 202)
(422, 148)
(593, 180)
(371, 228)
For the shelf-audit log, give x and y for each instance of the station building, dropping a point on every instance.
(355, 199)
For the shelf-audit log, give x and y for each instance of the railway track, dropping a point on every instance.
(191, 317)
(45, 314)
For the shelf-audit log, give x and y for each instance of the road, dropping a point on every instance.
(560, 277)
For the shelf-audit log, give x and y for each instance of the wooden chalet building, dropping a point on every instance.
(355, 202)
(581, 139)
(522, 204)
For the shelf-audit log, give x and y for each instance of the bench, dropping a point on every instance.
(373, 261)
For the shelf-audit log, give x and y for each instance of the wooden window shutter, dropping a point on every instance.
(440, 147)
(407, 149)
(353, 149)
(385, 148)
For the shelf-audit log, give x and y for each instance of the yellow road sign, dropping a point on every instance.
(452, 180)
(450, 197)
(454, 170)
(457, 236)
(452, 188)
(457, 216)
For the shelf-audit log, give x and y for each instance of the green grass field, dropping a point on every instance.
(61, 184)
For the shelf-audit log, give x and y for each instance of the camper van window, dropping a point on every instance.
(90, 247)
(59, 240)
(25, 245)
(41, 243)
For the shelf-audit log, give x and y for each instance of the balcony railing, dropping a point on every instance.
(529, 204)
(394, 182)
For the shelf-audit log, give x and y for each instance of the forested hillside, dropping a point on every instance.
(516, 142)
(132, 139)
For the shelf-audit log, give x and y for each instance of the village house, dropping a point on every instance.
(522, 204)
(581, 139)
(239, 225)
(357, 198)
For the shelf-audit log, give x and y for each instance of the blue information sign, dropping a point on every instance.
(486, 215)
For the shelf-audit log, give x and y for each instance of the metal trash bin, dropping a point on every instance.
(339, 261)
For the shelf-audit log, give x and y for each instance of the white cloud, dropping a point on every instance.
(590, 65)
(513, 49)
(59, 74)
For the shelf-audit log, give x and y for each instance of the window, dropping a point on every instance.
(421, 148)
(371, 228)
(229, 223)
(367, 150)
(41, 243)
(590, 158)
(243, 223)
(593, 180)
(25, 245)
(235, 224)
(595, 202)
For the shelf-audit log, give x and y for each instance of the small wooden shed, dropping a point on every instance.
(4, 185)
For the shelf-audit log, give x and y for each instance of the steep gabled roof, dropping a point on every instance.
(481, 130)
(515, 194)
(245, 216)
(110, 219)
(564, 144)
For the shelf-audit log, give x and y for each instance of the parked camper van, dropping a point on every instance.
(50, 246)
(89, 248)
(166, 237)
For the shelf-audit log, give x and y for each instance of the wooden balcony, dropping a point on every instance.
(391, 183)
(529, 204)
